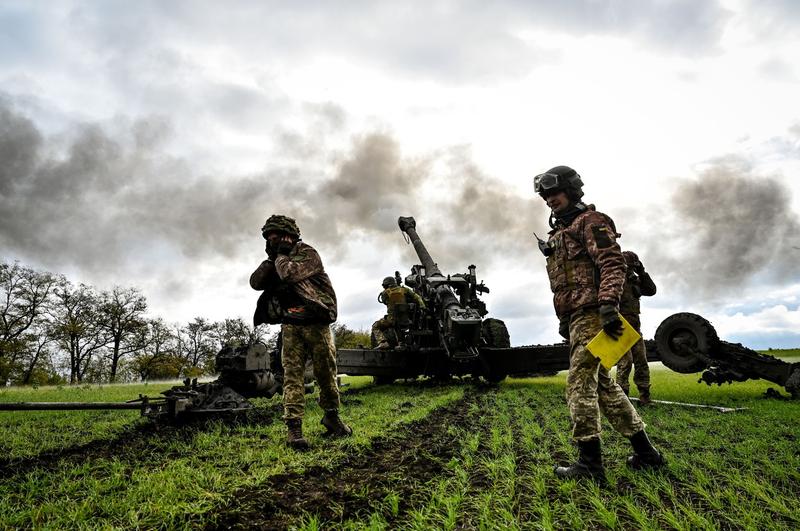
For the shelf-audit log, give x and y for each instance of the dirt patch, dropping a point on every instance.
(398, 466)
(132, 440)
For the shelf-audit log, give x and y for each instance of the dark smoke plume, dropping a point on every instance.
(733, 226)
(105, 200)
(108, 201)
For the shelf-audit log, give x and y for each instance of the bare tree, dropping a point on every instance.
(160, 357)
(237, 331)
(121, 315)
(24, 295)
(76, 326)
(40, 342)
(196, 343)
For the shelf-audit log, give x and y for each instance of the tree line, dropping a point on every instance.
(54, 331)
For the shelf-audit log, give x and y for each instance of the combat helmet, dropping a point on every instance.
(280, 223)
(559, 178)
(389, 282)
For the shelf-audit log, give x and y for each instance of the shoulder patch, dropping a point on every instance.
(602, 236)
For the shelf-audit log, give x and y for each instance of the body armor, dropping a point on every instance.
(580, 251)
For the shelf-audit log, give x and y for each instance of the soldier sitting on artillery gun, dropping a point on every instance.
(397, 300)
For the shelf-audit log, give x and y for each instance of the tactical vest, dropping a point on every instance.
(393, 296)
(573, 276)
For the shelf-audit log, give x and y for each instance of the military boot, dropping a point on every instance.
(645, 455)
(294, 435)
(588, 465)
(334, 425)
(383, 345)
(644, 396)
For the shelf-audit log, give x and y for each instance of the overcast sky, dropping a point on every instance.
(144, 143)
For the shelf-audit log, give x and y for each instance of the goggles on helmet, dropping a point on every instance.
(546, 182)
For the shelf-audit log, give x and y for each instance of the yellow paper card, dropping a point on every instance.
(608, 350)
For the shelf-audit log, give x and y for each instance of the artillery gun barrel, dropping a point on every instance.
(409, 226)
(66, 406)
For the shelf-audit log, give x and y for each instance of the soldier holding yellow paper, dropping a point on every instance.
(587, 272)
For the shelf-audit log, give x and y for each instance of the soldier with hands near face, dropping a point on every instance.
(299, 295)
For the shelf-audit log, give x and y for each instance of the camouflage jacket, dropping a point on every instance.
(399, 295)
(586, 267)
(299, 281)
(637, 283)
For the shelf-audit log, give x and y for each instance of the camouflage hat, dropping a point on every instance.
(279, 223)
(389, 282)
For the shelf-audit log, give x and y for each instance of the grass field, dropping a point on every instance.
(423, 456)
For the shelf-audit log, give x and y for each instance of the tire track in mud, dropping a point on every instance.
(398, 465)
(130, 443)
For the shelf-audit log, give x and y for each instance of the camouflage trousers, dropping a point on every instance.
(299, 343)
(590, 389)
(635, 358)
(380, 329)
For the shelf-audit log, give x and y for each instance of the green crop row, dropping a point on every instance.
(487, 468)
(173, 477)
(737, 470)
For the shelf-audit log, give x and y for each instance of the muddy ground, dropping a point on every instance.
(132, 442)
(398, 465)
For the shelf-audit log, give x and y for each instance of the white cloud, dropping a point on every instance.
(638, 96)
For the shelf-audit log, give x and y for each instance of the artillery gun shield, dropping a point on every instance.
(685, 341)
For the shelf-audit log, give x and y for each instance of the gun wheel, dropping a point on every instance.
(495, 333)
(680, 334)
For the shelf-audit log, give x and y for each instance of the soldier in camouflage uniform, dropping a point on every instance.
(637, 283)
(587, 271)
(299, 295)
(391, 296)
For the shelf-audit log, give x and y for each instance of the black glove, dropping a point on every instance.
(284, 247)
(563, 327)
(612, 325)
(272, 253)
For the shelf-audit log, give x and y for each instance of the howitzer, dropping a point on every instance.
(249, 371)
(447, 338)
(687, 343)
(455, 310)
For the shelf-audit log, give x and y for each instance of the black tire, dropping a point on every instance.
(495, 333)
(689, 329)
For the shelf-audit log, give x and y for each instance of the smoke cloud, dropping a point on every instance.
(100, 201)
(732, 227)
(104, 200)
